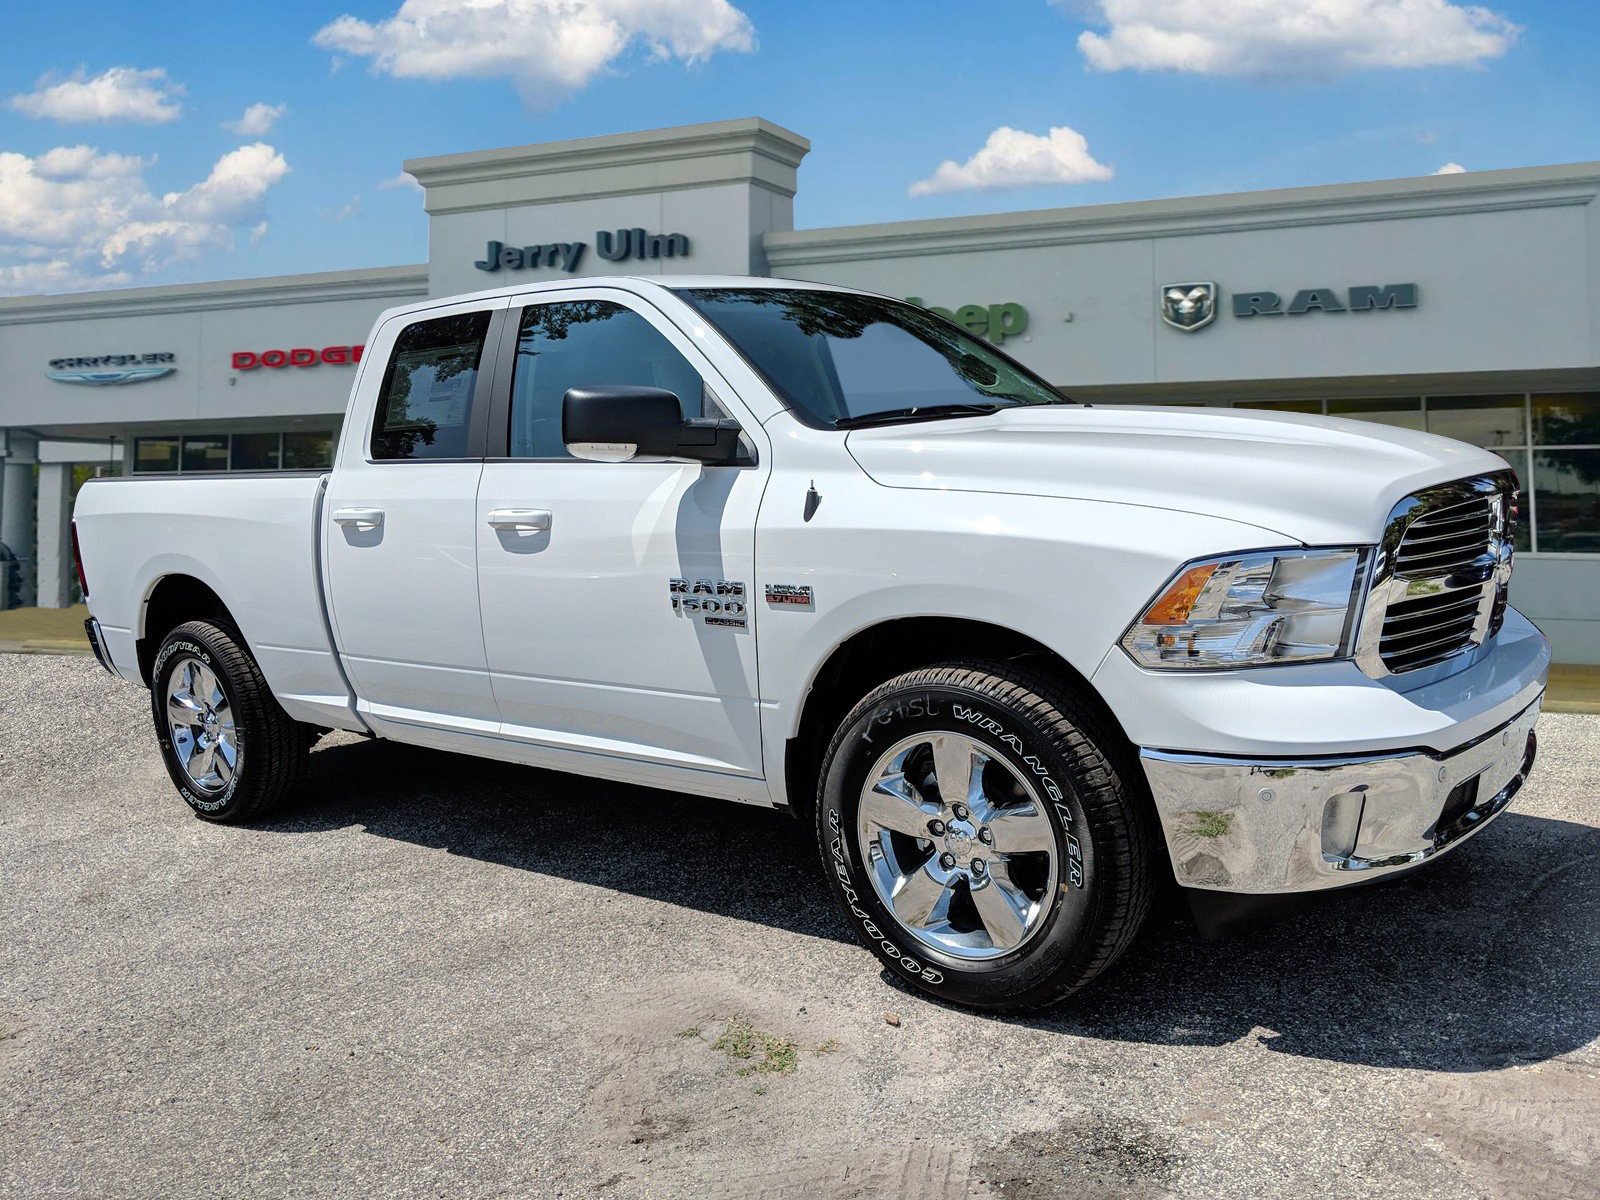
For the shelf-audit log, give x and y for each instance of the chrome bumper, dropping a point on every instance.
(1297, 825)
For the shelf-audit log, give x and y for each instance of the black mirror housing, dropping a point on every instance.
(620, 422)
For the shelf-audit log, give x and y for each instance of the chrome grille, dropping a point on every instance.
(1440, 580)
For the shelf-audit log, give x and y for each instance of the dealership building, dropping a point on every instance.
(1467, 305)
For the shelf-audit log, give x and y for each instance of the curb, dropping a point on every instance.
(44, 646)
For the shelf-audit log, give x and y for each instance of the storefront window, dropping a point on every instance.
(1487, 421)
(1292, 406)
(1566, 420)
(256, 452)
(205, 453)
(1405, 414)
(1567, 500)
(155, 454)
(307, 451)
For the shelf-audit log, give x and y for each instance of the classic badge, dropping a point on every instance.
(1188, 306)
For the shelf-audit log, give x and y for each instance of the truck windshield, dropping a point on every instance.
(839, 359)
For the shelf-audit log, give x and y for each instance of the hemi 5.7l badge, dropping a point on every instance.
(712, 601)
(789, 595)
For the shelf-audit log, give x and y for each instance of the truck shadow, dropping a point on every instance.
(1488, 958)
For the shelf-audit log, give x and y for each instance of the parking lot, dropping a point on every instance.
(436, 976)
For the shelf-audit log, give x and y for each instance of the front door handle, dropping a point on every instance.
(521, 520)
(361, 518)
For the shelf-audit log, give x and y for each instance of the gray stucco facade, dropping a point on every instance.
(1466, 304)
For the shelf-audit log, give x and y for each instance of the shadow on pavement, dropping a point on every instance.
(1487, 958)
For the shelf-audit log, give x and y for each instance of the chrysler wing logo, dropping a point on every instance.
(107, 378)
(1189, 306)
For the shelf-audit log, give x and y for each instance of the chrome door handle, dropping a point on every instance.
(361, 518)
(522, 520)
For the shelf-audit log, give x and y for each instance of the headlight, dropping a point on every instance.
(1252, 609)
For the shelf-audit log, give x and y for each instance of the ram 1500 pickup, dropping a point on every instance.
(1017, 659)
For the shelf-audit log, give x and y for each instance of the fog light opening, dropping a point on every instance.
(1341, 823)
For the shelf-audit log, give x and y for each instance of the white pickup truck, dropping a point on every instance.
(1018, 659)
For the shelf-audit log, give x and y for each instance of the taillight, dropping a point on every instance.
(77, 562)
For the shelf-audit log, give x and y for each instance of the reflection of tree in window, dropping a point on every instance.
(427, 393)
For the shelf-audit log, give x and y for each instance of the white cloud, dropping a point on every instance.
(1292, 38)
(1014, 159)
(118, 94)
(1451, 168)
(400, 182)
(349, 210)
(257, 120)
(548, 48)
(74, 218)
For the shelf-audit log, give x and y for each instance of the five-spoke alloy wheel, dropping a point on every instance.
(200, 720)
(958, 845)
(981, 827)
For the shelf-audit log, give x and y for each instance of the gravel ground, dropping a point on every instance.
(442, 977)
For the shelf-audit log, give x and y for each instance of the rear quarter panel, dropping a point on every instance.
(250, 539)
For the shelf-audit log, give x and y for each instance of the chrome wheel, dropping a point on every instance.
(200, 722)
(958, 844)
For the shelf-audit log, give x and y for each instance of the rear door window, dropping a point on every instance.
(425, 406)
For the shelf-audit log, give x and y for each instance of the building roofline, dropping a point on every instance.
(1427, 195)
(748, 150)
(357, 284)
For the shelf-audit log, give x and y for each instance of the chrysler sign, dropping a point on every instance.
(106, 369)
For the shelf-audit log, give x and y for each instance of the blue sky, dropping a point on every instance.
(1163, 98)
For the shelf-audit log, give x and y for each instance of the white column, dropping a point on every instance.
(55, 535)
(16, 509)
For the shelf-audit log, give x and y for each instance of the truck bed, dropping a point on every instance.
(252, 539)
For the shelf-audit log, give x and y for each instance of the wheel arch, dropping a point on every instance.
(171, 600)
(883, 650)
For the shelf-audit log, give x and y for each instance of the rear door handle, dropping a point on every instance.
(361, 518)
(522, 520)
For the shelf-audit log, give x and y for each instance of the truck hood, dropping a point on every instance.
(1313, 480)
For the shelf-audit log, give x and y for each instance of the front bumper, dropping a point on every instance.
(1300, 825)
(1297, 779)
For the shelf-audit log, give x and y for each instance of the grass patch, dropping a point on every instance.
(756, 1052)
(1212, 824)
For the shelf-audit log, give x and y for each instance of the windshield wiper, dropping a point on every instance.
(918, 412)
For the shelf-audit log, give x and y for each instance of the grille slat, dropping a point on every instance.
(1421, 639)
(1464, 552)
(1404, 626)
(1472, 532)
(1440, 544)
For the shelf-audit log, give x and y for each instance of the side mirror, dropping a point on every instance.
(620, 422)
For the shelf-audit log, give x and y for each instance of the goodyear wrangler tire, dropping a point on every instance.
(977, 825)
(231, 750)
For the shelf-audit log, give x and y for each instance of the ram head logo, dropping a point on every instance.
(1188, 306)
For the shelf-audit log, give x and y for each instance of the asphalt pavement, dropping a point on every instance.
(438, 976)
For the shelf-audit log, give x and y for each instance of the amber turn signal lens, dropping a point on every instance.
(1174, 605)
